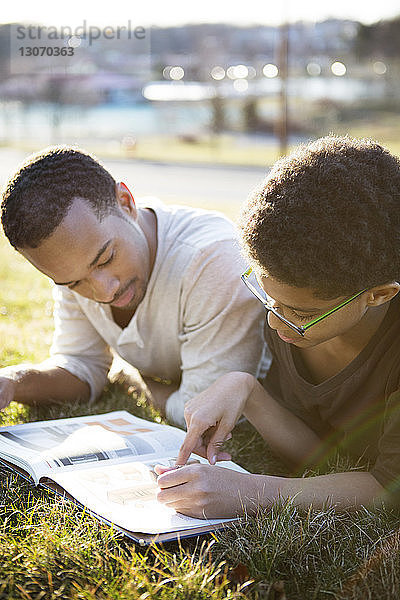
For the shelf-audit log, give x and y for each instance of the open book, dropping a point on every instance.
(105, 462)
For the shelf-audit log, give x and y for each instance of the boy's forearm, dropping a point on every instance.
(343, 490)
(56, 385)
(284, 432)
(295, 442)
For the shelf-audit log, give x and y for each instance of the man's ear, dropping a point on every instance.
(125, 199)
(382, 293)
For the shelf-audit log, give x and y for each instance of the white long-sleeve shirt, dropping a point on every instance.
(196, 321)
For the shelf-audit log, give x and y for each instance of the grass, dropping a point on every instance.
(224, 150)
(51, 549)
(231, 149)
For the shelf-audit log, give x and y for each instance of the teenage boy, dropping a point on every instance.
(322, 237)
(144, 280)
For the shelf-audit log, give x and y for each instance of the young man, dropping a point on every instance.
(144, 280)
(322, 236)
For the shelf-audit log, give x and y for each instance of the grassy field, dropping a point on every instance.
(50, 549)
(231, 149)
(224, 150)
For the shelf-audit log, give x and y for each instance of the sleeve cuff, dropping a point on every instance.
(96, 381)
(174, 409)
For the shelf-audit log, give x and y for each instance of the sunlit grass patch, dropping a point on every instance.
(58, 550)
(25, 309)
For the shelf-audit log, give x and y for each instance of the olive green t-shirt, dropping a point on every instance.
(358, 409)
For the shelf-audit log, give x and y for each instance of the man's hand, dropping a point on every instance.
(211, 416)
(7, 391)
(207, 492)
(159, 393)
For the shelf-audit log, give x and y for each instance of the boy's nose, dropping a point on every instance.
(273, 320)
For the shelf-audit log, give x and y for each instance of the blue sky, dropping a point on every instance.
(170, 12)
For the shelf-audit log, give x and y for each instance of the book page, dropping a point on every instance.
(125, 494)
(71, 443)
(106, 463)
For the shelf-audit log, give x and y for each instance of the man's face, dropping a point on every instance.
(108, 261)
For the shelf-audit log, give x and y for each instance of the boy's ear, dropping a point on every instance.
(125, 199)
(382, 293)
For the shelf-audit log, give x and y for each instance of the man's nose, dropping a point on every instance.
(104, 286)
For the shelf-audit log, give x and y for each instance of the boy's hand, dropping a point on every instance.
(205, 446)
(202, 491)
(211, 416)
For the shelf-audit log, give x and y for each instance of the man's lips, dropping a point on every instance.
(125, 298)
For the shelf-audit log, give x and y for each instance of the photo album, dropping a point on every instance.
(106, 464)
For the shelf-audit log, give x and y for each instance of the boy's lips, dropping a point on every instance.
(125, 298)
(286, 339)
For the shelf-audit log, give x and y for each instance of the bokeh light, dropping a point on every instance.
(217, 73)
(176, 73)
(241, 85)
(74, 41)
(313, 69)
(237, 72)
(270, 70)
(338, 68)
(379, 67)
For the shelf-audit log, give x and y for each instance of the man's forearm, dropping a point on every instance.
(35, 386)
(343, 490)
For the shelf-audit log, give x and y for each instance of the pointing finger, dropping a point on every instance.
(191, 441)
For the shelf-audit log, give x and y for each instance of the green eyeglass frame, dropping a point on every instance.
(301, 330)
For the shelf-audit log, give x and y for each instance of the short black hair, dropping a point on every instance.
(38, 197)
(327, 218)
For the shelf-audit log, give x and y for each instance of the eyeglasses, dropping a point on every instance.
(260, 294)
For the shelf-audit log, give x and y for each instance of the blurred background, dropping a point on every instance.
(193, 103)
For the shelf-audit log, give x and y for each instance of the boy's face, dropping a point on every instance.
(108, 261)
(300, 306)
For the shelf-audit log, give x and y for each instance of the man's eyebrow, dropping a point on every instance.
(94, 261)
(100, 252)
